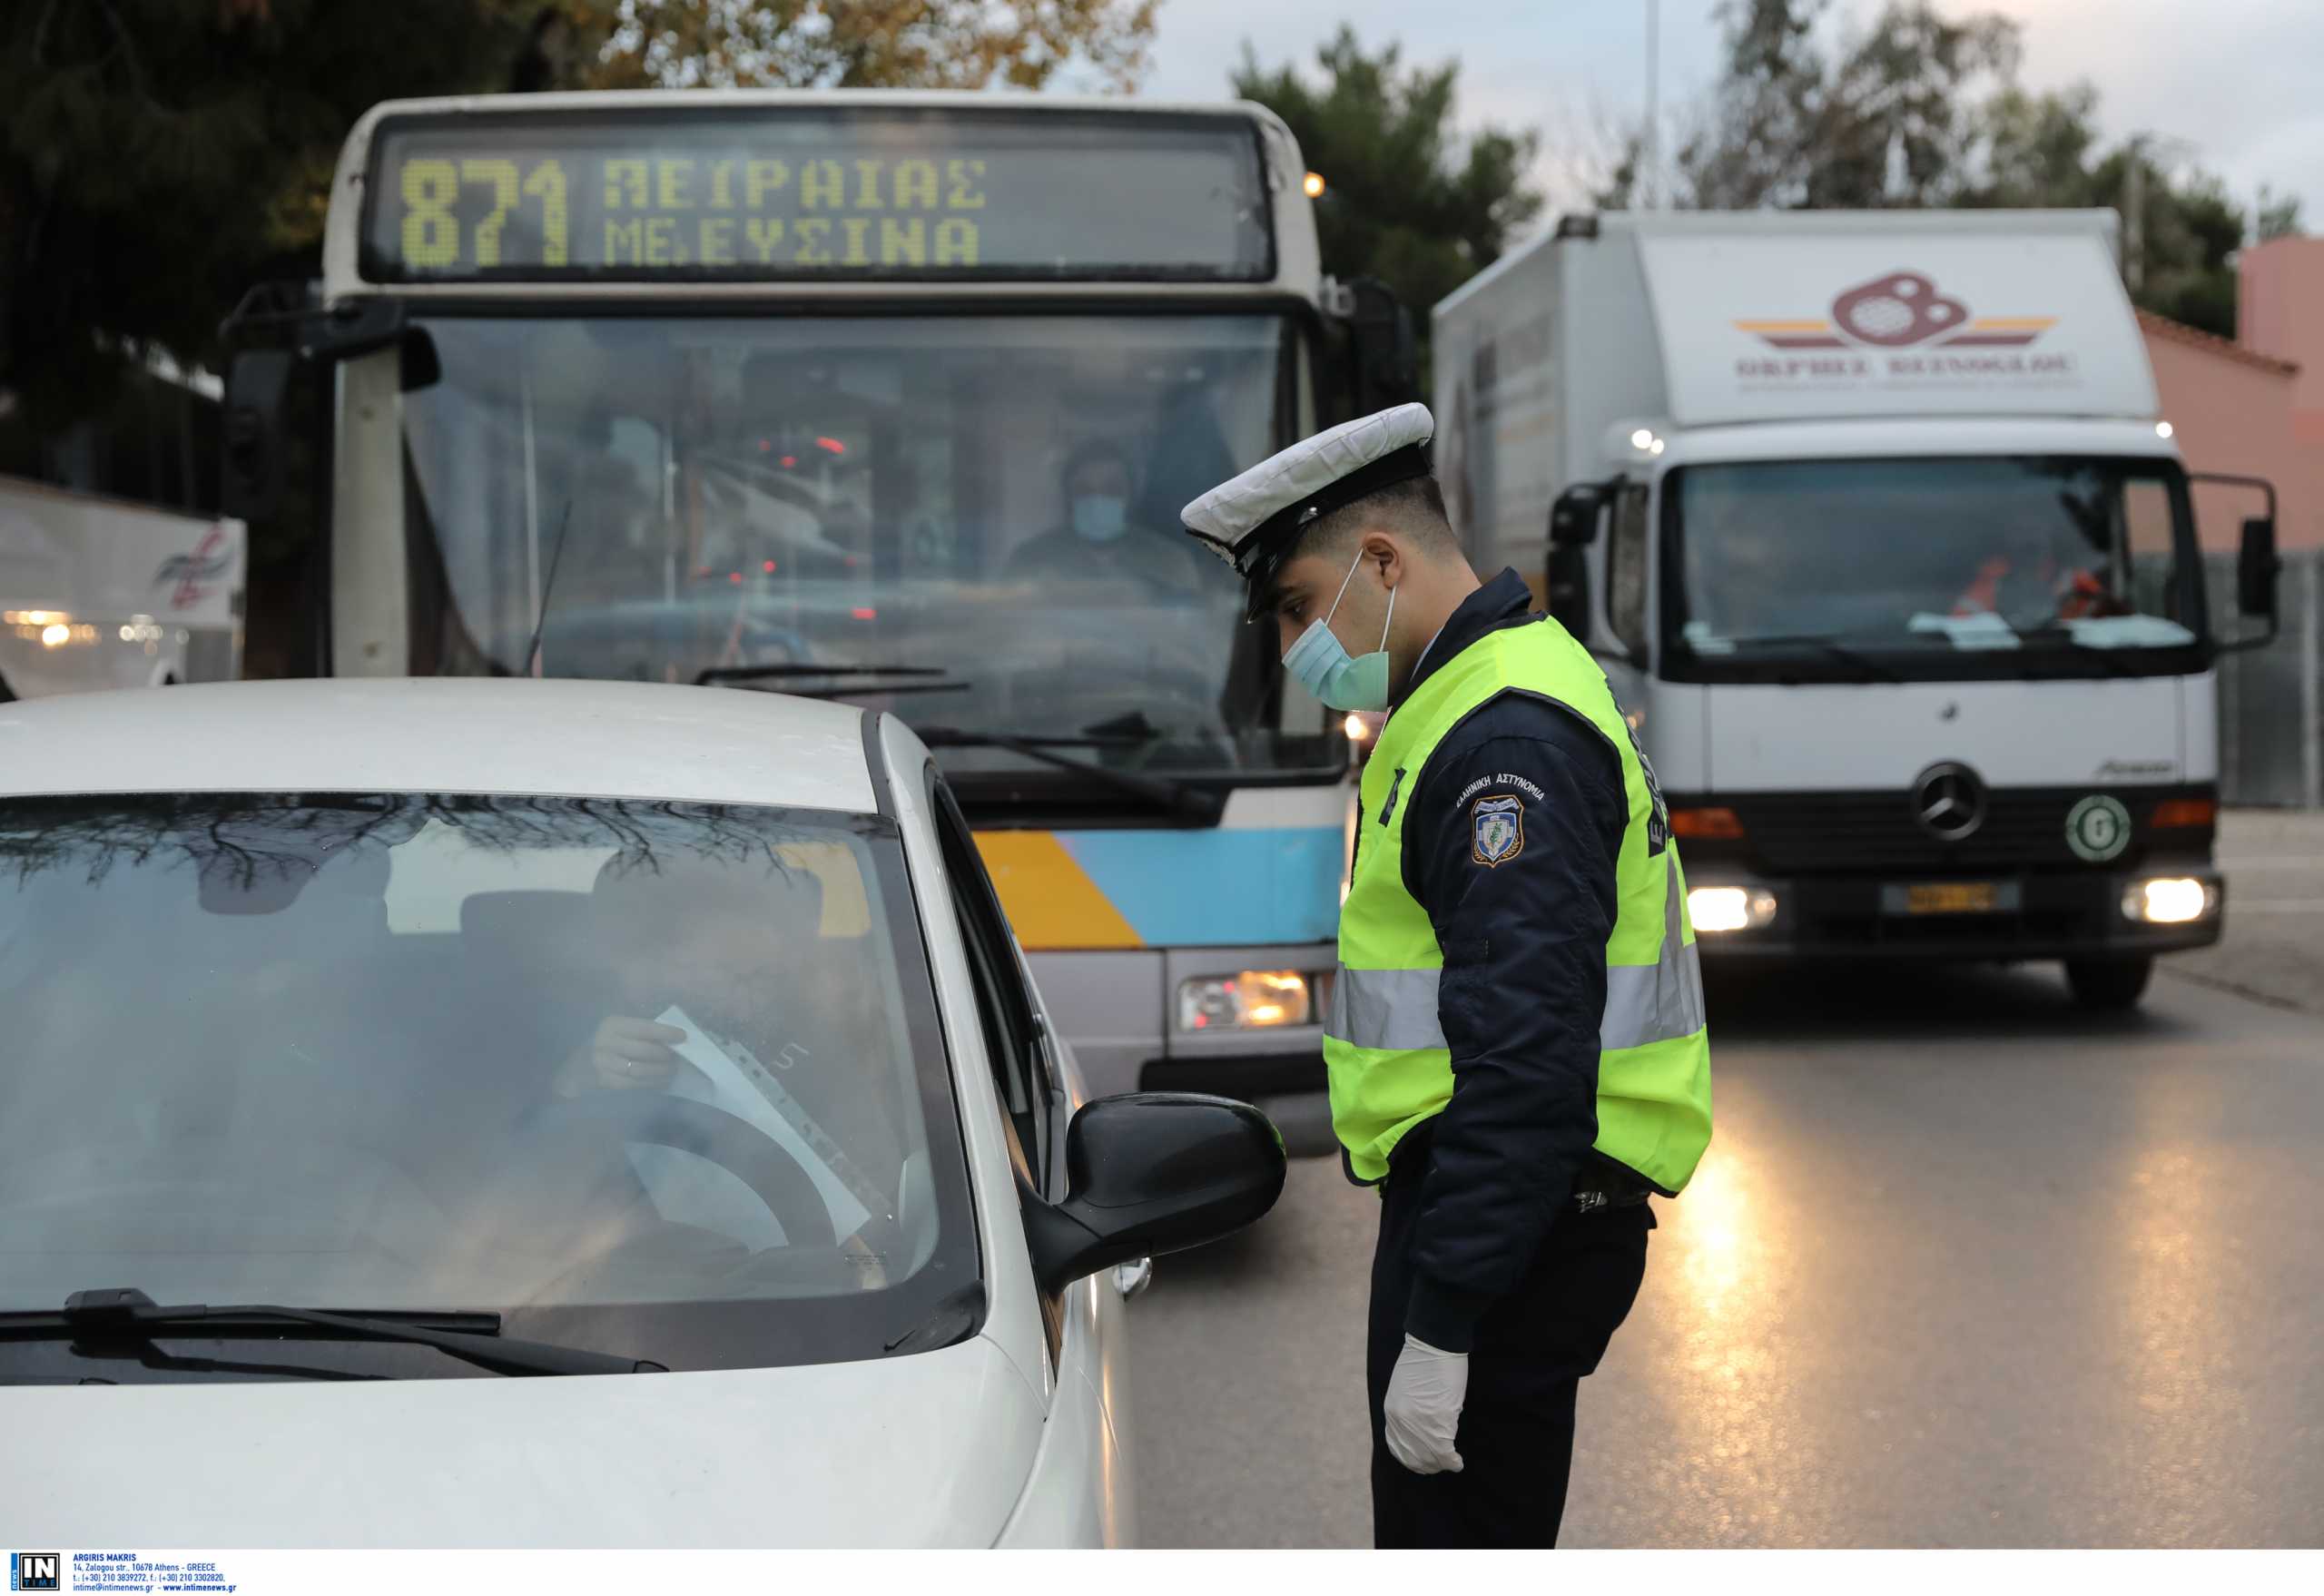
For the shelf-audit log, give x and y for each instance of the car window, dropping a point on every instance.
(548, 1055)
(1013, 1035)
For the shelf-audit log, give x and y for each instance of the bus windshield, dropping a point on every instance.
(972, 521)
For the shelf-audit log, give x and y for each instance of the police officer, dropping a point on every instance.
(1515, 1036)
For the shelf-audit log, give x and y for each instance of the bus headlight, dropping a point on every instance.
(1729, 909)
(1247, 999)
(2170, 900)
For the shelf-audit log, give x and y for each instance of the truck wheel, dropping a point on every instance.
(2109, 984)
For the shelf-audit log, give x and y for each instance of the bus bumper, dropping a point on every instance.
(1128, 1016)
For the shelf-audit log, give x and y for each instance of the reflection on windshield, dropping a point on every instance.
(428, 1051)
(1976, 552)
(994, 498)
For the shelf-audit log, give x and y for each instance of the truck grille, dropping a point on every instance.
(1812, 834)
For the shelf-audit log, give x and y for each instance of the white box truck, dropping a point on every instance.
(98, 593)
(1890, 559)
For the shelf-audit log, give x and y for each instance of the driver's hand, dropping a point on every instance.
(625, 1054)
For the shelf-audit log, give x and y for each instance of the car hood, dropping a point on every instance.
(926, 1450)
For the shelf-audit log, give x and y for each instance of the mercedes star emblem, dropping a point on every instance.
(1949, 802)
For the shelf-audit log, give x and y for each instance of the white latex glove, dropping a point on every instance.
(1423, 1407)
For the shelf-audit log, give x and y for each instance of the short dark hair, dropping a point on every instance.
(1413, 509)
(1091, 451)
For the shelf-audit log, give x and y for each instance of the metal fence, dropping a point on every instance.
(2272, 699)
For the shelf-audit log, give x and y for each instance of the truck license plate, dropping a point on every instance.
(1952, 898)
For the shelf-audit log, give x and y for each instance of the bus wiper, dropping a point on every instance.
(127, 1311)
(1829, 647)
(1175, 796)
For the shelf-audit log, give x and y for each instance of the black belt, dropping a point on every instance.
(1595, 1190)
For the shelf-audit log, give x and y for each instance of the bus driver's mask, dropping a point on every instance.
(1100, 517)
(1320, 663)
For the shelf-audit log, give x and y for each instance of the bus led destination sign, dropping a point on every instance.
(800, 193)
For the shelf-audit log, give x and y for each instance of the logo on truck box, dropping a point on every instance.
(1899, 311)
(1900, 330)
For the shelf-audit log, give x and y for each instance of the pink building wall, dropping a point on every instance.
(2279, 312)
(2232, 409)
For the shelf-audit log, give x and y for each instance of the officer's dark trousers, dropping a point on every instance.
(1532, 1348)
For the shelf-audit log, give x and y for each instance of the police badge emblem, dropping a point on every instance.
(1496, 829)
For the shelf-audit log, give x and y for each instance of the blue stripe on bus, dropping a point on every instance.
(1217, 888)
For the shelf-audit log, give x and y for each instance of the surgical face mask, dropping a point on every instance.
(1319, 663)
(1100, 517)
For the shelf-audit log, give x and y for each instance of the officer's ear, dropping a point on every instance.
(1386, 554)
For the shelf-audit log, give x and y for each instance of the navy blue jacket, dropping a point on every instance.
(1524, 984)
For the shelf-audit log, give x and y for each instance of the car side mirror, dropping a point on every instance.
(2257, 568)
(1153, 1172)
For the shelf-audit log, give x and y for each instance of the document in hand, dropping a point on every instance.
(746, 1089)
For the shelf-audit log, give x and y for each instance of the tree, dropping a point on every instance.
(1406, 198)
(872, 44)
(159, 156)
(1923, 110)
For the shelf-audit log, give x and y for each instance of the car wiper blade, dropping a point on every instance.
(126, 1311)
(1830, 649)
(1171, 795)
(954, 1315)
(709, 675)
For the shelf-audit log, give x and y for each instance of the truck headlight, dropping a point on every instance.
(2170, 899)
(1729, 909)
(1248, 999)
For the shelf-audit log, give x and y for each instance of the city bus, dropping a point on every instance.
(886, 397)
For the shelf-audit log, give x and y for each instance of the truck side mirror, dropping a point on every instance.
(2257, 569)
(1573, 528)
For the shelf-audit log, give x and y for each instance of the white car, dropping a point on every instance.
(438, 1034)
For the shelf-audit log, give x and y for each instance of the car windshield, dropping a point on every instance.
(972, 521)
(1954, 555)
(566, 1060)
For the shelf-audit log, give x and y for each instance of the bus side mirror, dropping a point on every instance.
(1384, 355)
(2256, 570)
(256, 383)
(1573, 519)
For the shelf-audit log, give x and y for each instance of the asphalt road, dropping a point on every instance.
(1964, 1266)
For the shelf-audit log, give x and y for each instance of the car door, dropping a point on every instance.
(1082, 1334)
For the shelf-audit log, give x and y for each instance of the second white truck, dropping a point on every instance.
(1890, 559)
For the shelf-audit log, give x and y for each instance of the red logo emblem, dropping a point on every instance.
(189, 571)
(1898, 310)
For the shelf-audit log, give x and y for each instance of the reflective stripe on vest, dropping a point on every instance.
(1394, 1010)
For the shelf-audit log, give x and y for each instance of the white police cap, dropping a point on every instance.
(1253, 521)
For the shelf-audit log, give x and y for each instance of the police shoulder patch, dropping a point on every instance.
(1496, 828)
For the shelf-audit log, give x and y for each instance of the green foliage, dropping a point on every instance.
(157, 157)
(1925, 109)
(1406, 198)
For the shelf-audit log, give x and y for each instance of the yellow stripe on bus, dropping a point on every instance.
(1051, 900)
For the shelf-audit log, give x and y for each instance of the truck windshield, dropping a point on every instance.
(970, 520)
(1938, 564)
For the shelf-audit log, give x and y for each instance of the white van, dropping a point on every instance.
(97, 593)
(1890, 559)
